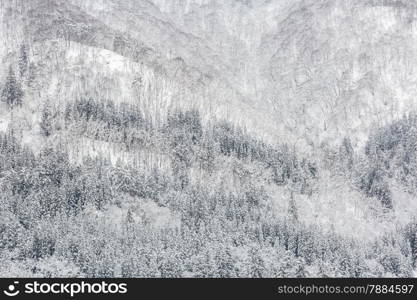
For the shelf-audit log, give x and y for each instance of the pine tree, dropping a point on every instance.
(346, 153)
(31, 76)
(23, 60)
(292, 208)
(257, 263)
(12, 93)
(46, 123)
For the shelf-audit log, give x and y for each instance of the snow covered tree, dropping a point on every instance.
(47, 117)
(12, 93)
(346, 154)
(225, 263)
(292, 208)
(257, 267)
(23, 60)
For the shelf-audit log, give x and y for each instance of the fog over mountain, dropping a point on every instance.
(208, 138)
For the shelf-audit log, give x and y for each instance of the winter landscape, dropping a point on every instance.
(208, 138)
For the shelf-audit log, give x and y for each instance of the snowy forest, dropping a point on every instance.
(205, 138)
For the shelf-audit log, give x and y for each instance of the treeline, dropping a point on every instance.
(186, 140)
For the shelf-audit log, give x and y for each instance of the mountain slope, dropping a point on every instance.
(253, 138)
(338, 68)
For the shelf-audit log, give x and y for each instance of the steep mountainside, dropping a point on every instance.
(149, 38)
(337, 68)
(307, 70)
(208, 138)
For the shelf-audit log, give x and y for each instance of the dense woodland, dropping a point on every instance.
(50, 206)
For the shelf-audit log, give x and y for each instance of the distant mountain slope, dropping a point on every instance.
(311, 71)
(143, 35)
(338, 68)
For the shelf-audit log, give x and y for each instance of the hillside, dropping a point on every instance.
(197, 138)
(349, 65)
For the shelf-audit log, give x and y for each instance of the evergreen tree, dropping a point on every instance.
(346, 154)
(257, 263)
(31, 74)
(12, 93)
(23, 60)
(292, 208)
(46, 123)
